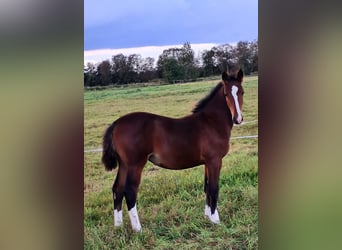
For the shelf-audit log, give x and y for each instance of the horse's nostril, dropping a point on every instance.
(236, 121)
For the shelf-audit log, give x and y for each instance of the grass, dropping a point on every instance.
(171, 203)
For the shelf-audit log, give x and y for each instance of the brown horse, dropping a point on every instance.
(199, 138)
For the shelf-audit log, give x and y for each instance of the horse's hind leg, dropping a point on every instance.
(118, 194)
(131, 191)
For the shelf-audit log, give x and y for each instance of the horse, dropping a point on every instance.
(196, 139)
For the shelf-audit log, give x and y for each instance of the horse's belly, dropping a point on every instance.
(181, 160)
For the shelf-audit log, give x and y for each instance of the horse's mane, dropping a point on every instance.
(202, 103)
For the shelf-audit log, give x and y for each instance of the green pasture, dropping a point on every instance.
(171, 203)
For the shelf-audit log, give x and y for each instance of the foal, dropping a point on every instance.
(199, 138)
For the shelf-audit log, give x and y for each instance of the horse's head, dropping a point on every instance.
(233, 92)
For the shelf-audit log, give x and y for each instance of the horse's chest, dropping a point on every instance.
(215, 146)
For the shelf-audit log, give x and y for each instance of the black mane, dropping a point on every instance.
(202, 103)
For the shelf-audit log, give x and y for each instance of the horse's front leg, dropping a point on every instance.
(206, 184)
(212, 173)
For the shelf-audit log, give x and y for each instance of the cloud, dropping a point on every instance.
(99, 55)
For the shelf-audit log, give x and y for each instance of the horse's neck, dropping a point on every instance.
(218, 109)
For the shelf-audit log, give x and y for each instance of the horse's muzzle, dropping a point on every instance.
(236, 121)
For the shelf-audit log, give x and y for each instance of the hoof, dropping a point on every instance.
(214, 218)
(137, 229)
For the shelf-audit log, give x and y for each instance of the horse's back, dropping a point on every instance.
(147, 128)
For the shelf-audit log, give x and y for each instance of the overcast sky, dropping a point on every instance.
(111, 27)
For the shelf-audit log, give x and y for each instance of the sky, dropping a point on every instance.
(147, 27)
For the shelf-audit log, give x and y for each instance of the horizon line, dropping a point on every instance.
(102, 54)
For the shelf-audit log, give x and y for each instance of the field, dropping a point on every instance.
(171, 203)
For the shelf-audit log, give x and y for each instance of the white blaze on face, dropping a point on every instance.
(234, 94)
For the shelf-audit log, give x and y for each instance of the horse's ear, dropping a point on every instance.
(240, 75)
(224, 76)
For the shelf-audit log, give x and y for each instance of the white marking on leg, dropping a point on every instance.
(135, 222)
(117, 218)
(214, 218)
(234, 94)
(207, 210)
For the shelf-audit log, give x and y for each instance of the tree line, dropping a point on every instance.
(174, 64)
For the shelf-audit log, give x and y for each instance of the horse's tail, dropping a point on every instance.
(109, 156)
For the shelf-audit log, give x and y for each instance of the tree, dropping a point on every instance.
(172, 70)
(119, 69)
(187, 61)
(133, 67)
(224, 57)
(104, 73)
(90, 75)
(254, 55)
(243, 55)
(177, 64)
(147, 71)
(208, 62)
(173, 53)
